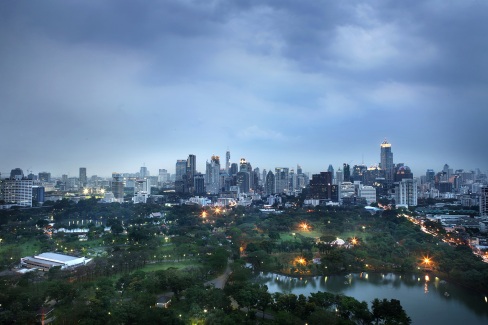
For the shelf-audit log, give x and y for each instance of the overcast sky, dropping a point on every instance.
(114, 85)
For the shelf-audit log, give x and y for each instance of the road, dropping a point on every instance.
(219, 282)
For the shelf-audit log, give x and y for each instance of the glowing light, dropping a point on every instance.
(301, 261)
(354, 241)
(204, 214)
(304, 226)
(427, 278)
(85, 191)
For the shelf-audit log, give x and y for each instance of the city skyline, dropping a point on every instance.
(117, 85)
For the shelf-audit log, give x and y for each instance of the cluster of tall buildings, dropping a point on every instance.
(348, 185)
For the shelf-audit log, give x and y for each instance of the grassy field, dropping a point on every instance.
(26, 248)
(288, 235)
(167, 265)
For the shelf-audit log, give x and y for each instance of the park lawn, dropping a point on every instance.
(167, 265)
(284, 236)
(27, 248)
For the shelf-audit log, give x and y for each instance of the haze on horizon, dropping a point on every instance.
(115, 85)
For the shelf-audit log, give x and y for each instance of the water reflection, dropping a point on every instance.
(426, 299)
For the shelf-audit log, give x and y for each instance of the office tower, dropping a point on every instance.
(269, 187)
(299, 170)
(331, 170)
(358, 173)
(227, 162)
(163, 176)
(339, 176)
(321, 186)
(292, 181)
(38, 194)
(368, 193)
(484, 201)
(386, 163)
(243, 181)
(143, 173)
(44, 177)
(16, 173)
(281, 180)
(406, 192)
(198, 184)
(191, 169)
(265, 173)
(118, 186)
(32, 177)
(212, 174)
(347, 172)
(180, 169)
(430, 176)
(17, 190)
(83, 178)
(234, 169)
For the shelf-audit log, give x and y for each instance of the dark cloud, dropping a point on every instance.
(113, 84)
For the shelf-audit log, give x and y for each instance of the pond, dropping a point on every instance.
(426, 299)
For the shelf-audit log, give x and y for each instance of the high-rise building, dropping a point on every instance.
(82, 177)
(191, 170)
(38, 194)
(321, 186)
(430, 176)
(281, 180)
(212, 174)
(198, 184)
(339, 176)
(227, 161)
(233, 169)
(180, 169)
(331, 170)
(406, 192)
(163, 176)
(118, 186)
(269, 187)
(484, 201)
(386, 158)
(16, 173)
(347, 172)
(17, 191)
(243, 181)
(143, 173)
(44, 177)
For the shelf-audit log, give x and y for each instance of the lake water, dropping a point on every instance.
(427, 300)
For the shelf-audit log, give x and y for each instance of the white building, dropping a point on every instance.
(17, 191)
(346, 189)
(406, 192)
(45, 261)
(368, 193)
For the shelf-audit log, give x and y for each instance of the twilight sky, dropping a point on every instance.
(113, 85)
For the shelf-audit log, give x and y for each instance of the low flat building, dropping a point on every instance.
(45, 261)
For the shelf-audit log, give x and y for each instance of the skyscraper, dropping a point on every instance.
(227, 162)
(406, 192)
(212, 174)
(281, 180)
(191, 170)
(180, 169)
(82, 177)
(484, 201)
(44, 176)
(118, 186)
(386, 163)
(269, 187)
(347, 172)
